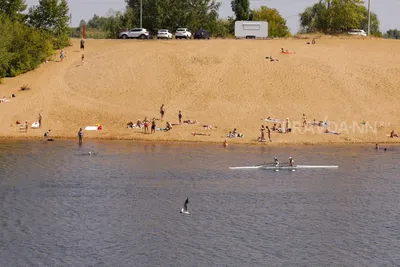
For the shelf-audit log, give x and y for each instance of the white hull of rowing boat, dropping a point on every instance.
(285, 167)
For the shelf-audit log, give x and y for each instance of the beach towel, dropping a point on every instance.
(35, 125)
(272, 120)
(91, 128)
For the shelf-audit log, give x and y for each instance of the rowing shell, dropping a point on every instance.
(285, 167)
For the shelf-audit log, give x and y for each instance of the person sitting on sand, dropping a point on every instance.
(169, 126)
(130, 124)
(393, 134)
(274, 127)
(207, 127)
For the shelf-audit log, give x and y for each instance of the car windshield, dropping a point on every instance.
(163, 31)
(181, 30)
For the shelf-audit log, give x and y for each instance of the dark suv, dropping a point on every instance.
(201, 34)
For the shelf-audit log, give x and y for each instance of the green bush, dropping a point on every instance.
(22, 48)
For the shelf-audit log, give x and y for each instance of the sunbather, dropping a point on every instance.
(393, 134)
(190, 122)
(331, 132)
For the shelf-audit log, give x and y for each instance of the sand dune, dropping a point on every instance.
(225, 83)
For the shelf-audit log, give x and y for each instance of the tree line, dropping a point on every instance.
(28, 38)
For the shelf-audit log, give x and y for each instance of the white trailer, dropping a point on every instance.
(251, 29)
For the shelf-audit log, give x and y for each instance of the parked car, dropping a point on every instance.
(357, 32)
(183, 33)
(164, 34)
(201, 34)
(139, 33)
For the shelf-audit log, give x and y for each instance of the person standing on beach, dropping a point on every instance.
(40, 120)
(162, 111)
(146, 125)
(287, 125)
(80, 136)
(304, 118)
(262, 133)
(180, 117)
(269, 134)
(153, 126)
(82, 44)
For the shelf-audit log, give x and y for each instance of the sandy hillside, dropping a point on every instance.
(224, 83)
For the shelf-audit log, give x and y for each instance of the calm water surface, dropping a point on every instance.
(59, 207)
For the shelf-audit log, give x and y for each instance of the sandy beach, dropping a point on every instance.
(354, 84)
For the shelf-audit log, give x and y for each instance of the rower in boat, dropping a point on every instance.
(291, 162)
(276, 161)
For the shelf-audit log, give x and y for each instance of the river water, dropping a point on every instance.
(60, 207)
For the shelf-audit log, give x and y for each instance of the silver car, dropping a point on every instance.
(139, 33)
(183, 33)
(164, 34)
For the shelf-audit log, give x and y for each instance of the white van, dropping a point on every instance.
(357, 32)
(251, 29)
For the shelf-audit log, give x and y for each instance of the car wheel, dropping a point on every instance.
(124, 36)
(142, 36)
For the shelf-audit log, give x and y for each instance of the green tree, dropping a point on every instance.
(5, 44)
(276, 23)
(172, 14)
(241, 9)
(13, 8)
(392, 34)
(52, 16)
(337, 16)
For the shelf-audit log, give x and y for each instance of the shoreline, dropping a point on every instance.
(204, 142)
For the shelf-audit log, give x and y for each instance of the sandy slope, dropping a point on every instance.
(225, 83)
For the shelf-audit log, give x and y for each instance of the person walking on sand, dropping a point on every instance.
(26, 126)
(146, 125)
(153, 126)
(180, 117)
(162, 111)
(80, 136)
(82, 44)
(40, 120)
(62, 55)
(269, 133)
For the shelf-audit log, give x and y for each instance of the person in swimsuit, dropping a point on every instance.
(146, 125)
(276, 161)
(162, 111)
(262, 138)
(180, 117)
(269, 133)
(153, 126)
(291, 161)
(80, 135)
(304, 118)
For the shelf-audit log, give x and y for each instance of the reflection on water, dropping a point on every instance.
(60, 206)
